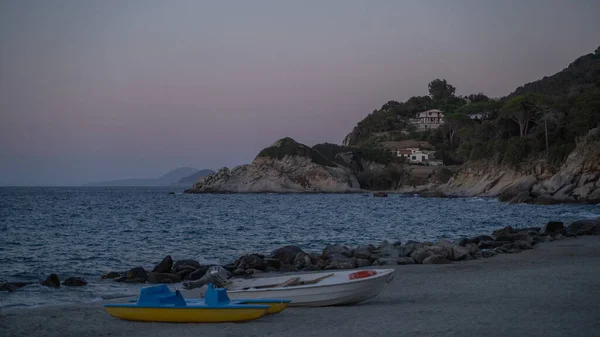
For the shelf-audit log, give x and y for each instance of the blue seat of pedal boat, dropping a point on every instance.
(160, 296)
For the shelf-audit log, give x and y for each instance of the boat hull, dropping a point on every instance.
(185, 315)
(331, 292)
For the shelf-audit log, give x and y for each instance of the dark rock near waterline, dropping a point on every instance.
(286, 254)
(164, 266)
(252, 261)
(272, 263)
(341, 262)
(163, 278)
(180, 265)
(197, 274)
(552, 227)
(331, 250)
(183, 274)
(460, 253)
(111, 275)
(363, 251)
(463, 241)
(52, 281)
(421, 254)
(480, 238)
(584, 227)
(230, 267)
(134, 275)
(13, 286)
(410, 247)
(380, 194)
(75, 282)
(503, 232)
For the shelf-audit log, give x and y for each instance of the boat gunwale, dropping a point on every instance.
(385, 272)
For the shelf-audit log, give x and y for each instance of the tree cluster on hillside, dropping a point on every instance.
(543, 119)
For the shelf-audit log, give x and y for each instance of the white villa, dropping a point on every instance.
(418, 157)
(430, 119)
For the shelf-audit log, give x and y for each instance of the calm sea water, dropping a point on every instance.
(87, 231)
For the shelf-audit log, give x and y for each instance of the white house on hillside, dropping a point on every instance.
(430, 119)
(418, 157)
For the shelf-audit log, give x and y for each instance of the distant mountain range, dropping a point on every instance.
(183, 176)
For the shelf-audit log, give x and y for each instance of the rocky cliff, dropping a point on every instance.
(284, 167)
(577, 180)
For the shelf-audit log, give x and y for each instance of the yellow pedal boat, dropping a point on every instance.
(160, 304)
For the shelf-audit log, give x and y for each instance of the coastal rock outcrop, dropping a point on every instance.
(285, 166)
(576, 181)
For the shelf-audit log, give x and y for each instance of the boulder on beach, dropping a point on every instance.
(436, 259)
(164, 266)
(286, 254)
(552, 227)
(134, 275)
(584, 227)
(251, 261)
(179, 265)
(331, 250)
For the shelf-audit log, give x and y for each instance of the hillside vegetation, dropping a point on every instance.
(539, 120)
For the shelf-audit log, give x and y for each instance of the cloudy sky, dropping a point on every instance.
(96, 90)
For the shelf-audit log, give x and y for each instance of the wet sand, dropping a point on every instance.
(552, 290)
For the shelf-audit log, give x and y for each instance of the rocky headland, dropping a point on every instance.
(290, 167)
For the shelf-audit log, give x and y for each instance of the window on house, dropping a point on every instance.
(414, 157)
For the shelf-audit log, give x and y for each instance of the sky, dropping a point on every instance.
(114, 89)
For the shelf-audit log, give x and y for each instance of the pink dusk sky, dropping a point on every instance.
(115, 89)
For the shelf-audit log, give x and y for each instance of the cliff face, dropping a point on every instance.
(577, 180)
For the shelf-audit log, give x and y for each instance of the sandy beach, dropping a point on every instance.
(552, 290)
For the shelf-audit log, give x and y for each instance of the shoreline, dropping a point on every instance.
(291, 258)
(550, 290)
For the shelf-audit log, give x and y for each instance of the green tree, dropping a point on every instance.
(441, 90)
(522, 110)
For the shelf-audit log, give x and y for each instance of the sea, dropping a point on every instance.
(89, 231)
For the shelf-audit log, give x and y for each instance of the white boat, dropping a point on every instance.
(342, 287)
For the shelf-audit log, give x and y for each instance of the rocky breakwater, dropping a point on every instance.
(286, 166)
(576, 181)
(292, 258)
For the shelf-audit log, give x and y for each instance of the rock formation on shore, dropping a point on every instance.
(289, 167)
(577, 180)
(292, 258)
